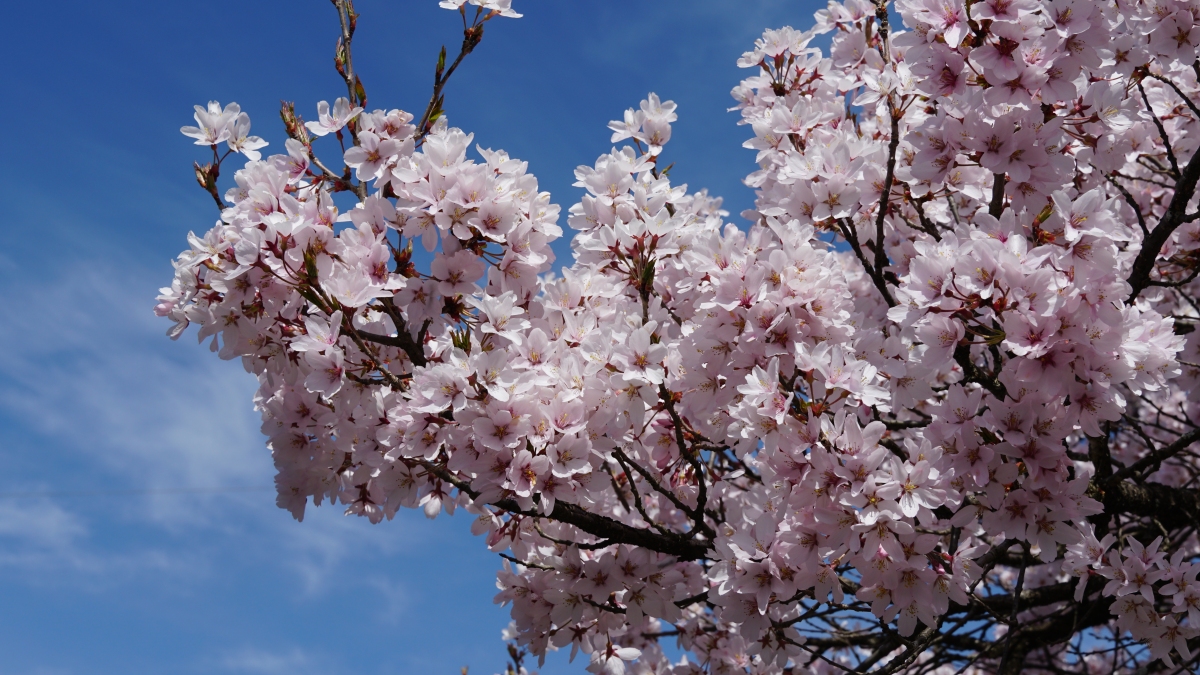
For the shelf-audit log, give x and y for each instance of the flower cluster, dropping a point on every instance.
(228, 125)
(917, 414)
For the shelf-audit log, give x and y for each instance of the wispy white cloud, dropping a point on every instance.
(100, 393)
(394, 598)
(259, 661)
(46, 526)
(87, 366)
(43, 543)
(327, 541)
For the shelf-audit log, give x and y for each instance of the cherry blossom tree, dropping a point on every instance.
(930, 407)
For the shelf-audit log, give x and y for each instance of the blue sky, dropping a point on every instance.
(105, 565)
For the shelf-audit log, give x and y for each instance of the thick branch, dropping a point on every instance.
(596, 525)
(1098, 454)
(1173, 507)
(618, 532)
(996, 207)
(1176, 215)
(1032, 597)
(973, 373)
(881, 260)
(402, 340)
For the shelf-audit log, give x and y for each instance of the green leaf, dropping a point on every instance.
(461, 340)
(360, 91)
(995, 338)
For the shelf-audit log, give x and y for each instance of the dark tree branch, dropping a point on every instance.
(472, 35)
(564, 542)
(996, 207)
(637, 495)
(342, 58)
(973, 373)
(1176, 215)
(402, 341)
(1137, 210)
(1157, 457)
(1098, 454)
(596, 525)
(627, 463)
(1174, 507)
(851, 236)
(1162, 133)
(668, 399)
(344, 63)
(1178, 91)
(881, 260)
(602, 526)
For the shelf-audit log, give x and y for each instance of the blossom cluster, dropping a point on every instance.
(930, 398)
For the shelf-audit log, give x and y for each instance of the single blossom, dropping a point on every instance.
(331, 121)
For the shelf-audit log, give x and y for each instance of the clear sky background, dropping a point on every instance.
(135, 537)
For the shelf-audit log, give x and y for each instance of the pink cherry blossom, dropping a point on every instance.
(331, 121)
(916, 410)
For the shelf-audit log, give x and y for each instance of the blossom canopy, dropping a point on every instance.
(930, 408)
